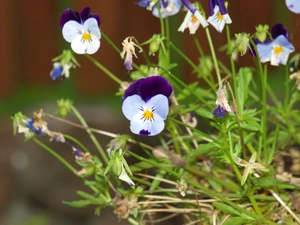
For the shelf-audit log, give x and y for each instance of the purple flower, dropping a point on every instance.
(293, 5)
(81, 30)
(167, 7)
(276, 51)
(60, 70)
(146, 105)
(218, 14)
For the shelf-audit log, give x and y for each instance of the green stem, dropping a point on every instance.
(211, 85)
(110, 42)
(76, 141)
(287, 89)
(57, 156)
(106, 71)
(213, 54)
(90, 133)
(198, 46)
(232, 62)
(196, 185)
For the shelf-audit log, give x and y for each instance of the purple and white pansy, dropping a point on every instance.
(167, 7)
(146, 105)
(218, 15)
(276, 51)
(193, 18)
(293, 5)
(81, 30)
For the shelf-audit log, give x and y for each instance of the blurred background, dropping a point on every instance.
(32, 183)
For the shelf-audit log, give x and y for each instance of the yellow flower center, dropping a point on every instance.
(278, 49)
(194, 19)
(86, 36)
(220, 16)
(148, 115)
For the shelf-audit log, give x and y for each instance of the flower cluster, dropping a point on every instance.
(145, 104)
(81, 30)
(164, 8)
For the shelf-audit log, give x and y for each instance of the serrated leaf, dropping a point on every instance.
(226, 208)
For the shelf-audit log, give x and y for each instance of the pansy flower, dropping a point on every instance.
(81, 30)
(222, 106)
(293, 5)
(129, 51)
(167, 7)
(146, 105)
(218, 14)
(276, 51)
(193, 18)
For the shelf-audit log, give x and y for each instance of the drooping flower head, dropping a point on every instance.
(218, 15)
(167, 7)
(276, 51)
(145, 104)
(129, 50)
(193, 18)
(293, 5)
(222, 106)
(81, 30)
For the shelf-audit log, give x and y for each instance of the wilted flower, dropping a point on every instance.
(167, 7)
(218, 14)
(129, 50)
(261, 32)
(60, 70)
(242, 43)
(249, 167)
(181, 186)
(296, 76)
(222, 104)
(81, 30)
(193, 19)
(190, 119)
(293, 5)
(278, 50)
(145, 104)
(119, 166)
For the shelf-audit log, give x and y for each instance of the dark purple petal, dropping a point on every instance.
(222, 7)
(132, 89)
(154, 85)
(143, 3)
(85, 14)
(29, 124)
(219, 111)
(189, 5)
(211, 6)
(56, 72)
(144, 132)
(68, 15)
(97, 17)
(279, 29)
(165, 3)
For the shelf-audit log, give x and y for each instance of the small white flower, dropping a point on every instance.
(84, 38)
(218, 20)
(193, 21)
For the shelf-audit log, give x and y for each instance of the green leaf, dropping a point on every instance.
(244, 78)
(204, 113)
(140, 166)
(226, 208)
(271, 183)
(204, 148)
(86, 195)
(235, 221)
(79, 203)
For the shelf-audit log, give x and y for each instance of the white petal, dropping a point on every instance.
(201, 19)
(160, 104)
(91, 25)
(80, 46)
(147, 127)
(124, 177)
(71, 30)
(131, 106)
(227, 18)
(185, 22)
(264, 51)
(215, 22)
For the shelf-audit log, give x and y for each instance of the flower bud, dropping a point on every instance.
(64, 106)
(261, 32)
(242, 43)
